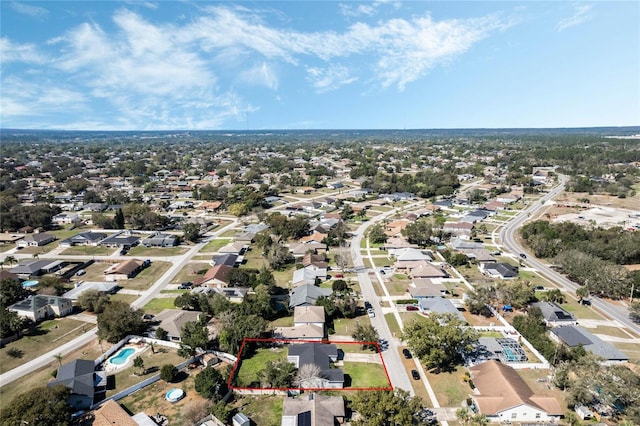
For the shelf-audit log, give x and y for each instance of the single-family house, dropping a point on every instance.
(503, 396)
(315, 236)
(313, 410)
(36, 240)
(308, 324)
(306, 295)
(172, 321)
(124, 270)
(398, 242)
(159, 239)
(427, 270)
(215, 277)
(86, 238)
(500, 270)
(315, 260)
(227, 259)
(40, 306)
(101, 287)
(65, 218)
(459, 229)
(87, 385)
(111, 413)
(298, 250)
(121, 239)
(308, 275)
(554, 315)
(319, 355)
(36, 268)
(424, 287)
(573, 336)
(237, 248)
(482, 257)
(439, 305)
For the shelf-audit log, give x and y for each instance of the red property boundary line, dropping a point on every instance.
(236, 366)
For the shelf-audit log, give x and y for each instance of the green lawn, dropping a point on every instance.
(250, 367)
(157, 251)
(346, 326)
(392, 322)
(580, 311)
(88, 251)
(44, 337)
(262, 410)
(147, 277)
(191, 272)
(365, 375)
(215, 245)
(449, 388)
(283, 322)
(155, 306)
(126, 298)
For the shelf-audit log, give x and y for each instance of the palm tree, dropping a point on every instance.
(36, 256)
(10, 260)
(59, 358)
(464, 415)
(582, 293)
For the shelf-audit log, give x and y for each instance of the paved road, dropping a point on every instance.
(145, 297)
(395, 368)
(507, 235)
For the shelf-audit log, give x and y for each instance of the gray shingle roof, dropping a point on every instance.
(573, 336)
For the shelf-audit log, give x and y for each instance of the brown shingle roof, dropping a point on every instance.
(500, 388)
(111, 413)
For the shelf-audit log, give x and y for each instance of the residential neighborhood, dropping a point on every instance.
(292, 282)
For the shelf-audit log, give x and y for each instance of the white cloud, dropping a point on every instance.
(365, 9)
(21, 97)
(15, 52)
(29, 9)
(260, 75)
(330, 78)
(176, 75)
(580, 15)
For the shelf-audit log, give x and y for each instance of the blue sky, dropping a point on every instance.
(137, 65)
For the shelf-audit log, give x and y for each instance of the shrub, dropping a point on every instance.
(15, 353)
(169, 373)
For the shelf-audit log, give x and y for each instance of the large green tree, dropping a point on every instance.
(439, 340)
(11, 291)
(377, 235)
(386, 408)
(39, 406)
(93, 301)
(277, 374)
(191, 231)
(193, 335)
(211, 384)
(119, 320)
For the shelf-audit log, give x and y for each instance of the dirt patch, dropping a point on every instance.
(632, 203)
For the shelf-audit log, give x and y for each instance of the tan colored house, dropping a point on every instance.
(111, 413)
(215, 277)
(308, 324)
(124, 270)
(503, 396)
(172, 321)
(313, 409)
(426, 270)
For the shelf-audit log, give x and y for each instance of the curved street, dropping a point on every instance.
(507, 236)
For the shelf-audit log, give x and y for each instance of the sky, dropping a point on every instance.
(188, 65)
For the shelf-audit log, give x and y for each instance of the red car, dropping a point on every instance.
(339, 275)
(412, 308)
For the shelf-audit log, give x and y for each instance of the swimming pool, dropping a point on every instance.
(30, 283)
(122, 356)
(174, 395)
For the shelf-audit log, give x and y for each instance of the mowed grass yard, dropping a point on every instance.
(146, 277)
(250, 367)
(142, 251)
(88, 251)
(262, 410)
(42, 376)
(450, 389)
(42, 338)
(155, 306)
(365, 375)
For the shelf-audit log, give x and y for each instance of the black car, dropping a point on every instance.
(406, 353)
(415, 375)
(522, 255)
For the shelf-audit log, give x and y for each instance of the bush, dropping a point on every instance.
(169, 373)
(15, 353)
(406, 302)
(339, 285)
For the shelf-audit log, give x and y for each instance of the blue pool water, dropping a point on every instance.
(174, 395)
(30, 283)
(122, 356)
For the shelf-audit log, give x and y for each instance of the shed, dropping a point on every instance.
(241, 420)
(583, 412)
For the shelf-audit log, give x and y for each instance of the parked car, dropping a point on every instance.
(339, 275)
(81, 272)
(522, 255)
(406, 353)
(415, 374)
(371, 313)
(412, 308)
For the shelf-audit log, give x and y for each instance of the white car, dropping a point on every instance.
(371, 312)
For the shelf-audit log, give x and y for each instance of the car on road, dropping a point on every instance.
(406, 353)
(371, 313)
(367, 305)
(415, 374)
(522, 255)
